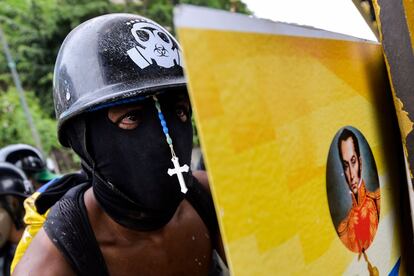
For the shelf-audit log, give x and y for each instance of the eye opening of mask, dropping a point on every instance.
(183, 110)
(128, 119)
(137, 113)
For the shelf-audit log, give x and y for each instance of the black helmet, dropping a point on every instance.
(14, 188)
(110, 58)
(26, 157)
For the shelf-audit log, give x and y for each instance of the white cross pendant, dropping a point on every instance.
(179, 172)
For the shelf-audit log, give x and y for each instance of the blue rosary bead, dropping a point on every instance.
(162, 121)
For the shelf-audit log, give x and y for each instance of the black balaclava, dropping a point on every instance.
(136, 162)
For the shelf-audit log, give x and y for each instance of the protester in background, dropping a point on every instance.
(14, 188)
(30, 160)
(122, 106)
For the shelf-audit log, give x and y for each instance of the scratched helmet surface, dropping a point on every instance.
(112, 58)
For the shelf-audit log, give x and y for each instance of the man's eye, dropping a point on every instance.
(130, 120)
(182, 113)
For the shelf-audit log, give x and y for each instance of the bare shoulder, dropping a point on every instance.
(43, 258)
(202, 177)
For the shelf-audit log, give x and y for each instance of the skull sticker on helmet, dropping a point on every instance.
(154, 45)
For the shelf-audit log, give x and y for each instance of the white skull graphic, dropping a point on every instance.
(153, 44)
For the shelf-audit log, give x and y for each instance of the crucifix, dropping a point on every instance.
(178, 170)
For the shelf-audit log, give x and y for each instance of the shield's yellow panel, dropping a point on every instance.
(268, 105)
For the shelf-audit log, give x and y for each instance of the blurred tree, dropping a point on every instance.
(219, 4)
(14, 126)
(35, 36)
(35, 29)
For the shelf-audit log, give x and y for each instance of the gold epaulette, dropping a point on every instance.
(374, 195)
(343, 227)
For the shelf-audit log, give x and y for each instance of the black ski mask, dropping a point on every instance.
(136, 161)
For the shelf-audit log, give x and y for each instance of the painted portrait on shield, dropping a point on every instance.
(353, 189)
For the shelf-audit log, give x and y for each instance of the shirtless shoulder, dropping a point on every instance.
(43, 258)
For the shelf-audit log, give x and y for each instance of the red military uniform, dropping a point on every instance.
(358, 229)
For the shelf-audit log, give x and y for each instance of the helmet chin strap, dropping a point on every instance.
(178, 170)
(105, 182)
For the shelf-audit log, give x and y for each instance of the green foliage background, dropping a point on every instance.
(14, 126)
(35, 30)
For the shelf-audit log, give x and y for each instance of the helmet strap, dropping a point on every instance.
(177, 170)
(108, 184)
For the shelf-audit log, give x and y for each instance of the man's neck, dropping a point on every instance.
(358, 187)
(356, 195)
(359, 183)
(105, 227)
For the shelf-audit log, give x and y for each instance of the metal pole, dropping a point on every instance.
(20, 91)
(233, 5)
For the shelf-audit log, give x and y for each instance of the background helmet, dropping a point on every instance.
(14, 188)
(110, 58)
(27, 158)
